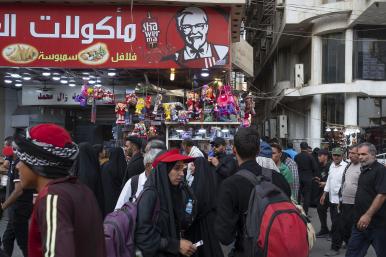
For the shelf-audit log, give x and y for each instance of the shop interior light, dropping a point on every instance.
(71, 85)
(335, 129)
(98, 81)
(56, 78)
(91, 76)
(205, 73)
(8, 81)
(357, 131)
(86, 78)
(202, 131)
(72, 81)
(172, 74)
(46, 74)
(91, 81)
(18, 80)
(64, 81)
(111, 74)
(27, 78)
(14, 75)
(328, 129)
(57, 74)
(18, 85)
(86, 73)
(98, 85)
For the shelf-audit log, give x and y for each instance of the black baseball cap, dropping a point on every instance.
(218, 141)
(323, 152)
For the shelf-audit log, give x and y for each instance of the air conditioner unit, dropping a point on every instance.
(282, 126)
(299, 75)
(266, 128)
(279, 2)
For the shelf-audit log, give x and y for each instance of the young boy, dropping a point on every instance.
(66, 220)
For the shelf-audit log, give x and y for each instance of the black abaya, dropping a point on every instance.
(204, 188)
(87, 169)
(112, 176)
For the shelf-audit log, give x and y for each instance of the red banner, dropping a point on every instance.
(145, 37)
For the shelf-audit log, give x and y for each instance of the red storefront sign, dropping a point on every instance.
(145, 37)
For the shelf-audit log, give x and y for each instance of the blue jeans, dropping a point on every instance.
(360, 242)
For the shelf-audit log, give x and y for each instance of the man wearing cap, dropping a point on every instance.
(190, 150)
(333, 185)
(66, 220)
(224, 164)
(135, 165)
(307, 169)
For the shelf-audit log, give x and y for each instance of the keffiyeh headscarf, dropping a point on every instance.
(48, 149)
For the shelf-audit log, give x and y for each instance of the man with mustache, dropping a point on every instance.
(193, 25)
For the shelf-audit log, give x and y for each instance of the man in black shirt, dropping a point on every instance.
(235, 190)
(321, 179)
(307, 169)
(370, 208)
(20, 206)
(135, 165)
(224, 164)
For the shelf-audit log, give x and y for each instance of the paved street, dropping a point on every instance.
(320, 248)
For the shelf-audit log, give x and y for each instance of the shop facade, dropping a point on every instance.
(110, 70)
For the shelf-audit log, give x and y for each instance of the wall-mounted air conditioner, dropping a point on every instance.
(299, 75)
(282, 126)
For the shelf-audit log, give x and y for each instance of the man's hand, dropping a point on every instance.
(215, 162)
(322, 184)
(364, 222)
(187, 248)
(322, 199)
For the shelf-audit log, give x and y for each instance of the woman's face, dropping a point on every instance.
(176, 175)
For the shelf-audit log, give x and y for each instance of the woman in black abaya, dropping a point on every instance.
(87, 169)
(204, 188)
(158, 229)
(112, 176)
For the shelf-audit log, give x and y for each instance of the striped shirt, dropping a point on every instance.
(293, 167)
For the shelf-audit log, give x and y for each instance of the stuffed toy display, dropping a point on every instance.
(157, 104)
(131, 99)
(249, 110)
(120, 110)
(139, 130)
(168, 111)
(152, 132)
(140, 105)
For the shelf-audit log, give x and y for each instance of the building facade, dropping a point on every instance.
(321, 65)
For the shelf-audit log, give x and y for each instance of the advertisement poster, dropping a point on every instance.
(145, 37)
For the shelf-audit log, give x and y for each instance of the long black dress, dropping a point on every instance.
(204, 188)
(112, 176)
(160, 238)
(87, 169)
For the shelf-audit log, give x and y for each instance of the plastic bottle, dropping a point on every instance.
(189, 207)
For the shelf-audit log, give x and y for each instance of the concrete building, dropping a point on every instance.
(321, 64)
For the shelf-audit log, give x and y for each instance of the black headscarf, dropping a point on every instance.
(204, 188)
(170, 197)
(112, 176)
(87, 169)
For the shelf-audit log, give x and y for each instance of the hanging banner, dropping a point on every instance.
(146, 37)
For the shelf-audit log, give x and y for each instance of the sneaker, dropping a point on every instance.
(332, 253)
(322, 234)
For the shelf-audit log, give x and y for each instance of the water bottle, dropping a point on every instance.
(189, 207)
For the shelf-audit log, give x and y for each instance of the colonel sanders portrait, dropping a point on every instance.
(193, 26)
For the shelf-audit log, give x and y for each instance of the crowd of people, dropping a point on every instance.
(187, 203)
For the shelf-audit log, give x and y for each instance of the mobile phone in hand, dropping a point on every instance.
(199, 243)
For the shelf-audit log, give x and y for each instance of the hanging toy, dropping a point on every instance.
(157, 104)
(108, 97)
(147, 111)
(98, 93)
(131, 99)
(249, 110)
(120, 110)
(152, 132)
(174, 112)
(190, 102)
(197, 106)
(140, 105)
(139, 130)
(81, 100)
(183, 117)
(167, 110)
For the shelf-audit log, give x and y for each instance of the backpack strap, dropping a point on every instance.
(134, 185)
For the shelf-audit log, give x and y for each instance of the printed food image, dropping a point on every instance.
(20, 53)
(95, 54)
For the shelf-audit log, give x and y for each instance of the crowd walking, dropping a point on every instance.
(178, 202)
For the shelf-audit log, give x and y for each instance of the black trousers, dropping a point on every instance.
(345, 222)
(16, 229)
(322, 213)
(306, 192)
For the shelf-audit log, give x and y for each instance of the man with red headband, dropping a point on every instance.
(66, 220)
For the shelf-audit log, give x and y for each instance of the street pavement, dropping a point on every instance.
(320, 248)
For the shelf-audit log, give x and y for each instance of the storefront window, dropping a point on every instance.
(372, 119)
(333, 109)
(333, 59)
(370, 53)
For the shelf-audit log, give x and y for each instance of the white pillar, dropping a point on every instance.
(349, 56)
(316, 60)
(315, 121)
(351, 110)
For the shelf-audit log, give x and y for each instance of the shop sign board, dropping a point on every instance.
(62, 95)
(144, 37)
(242, 56)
